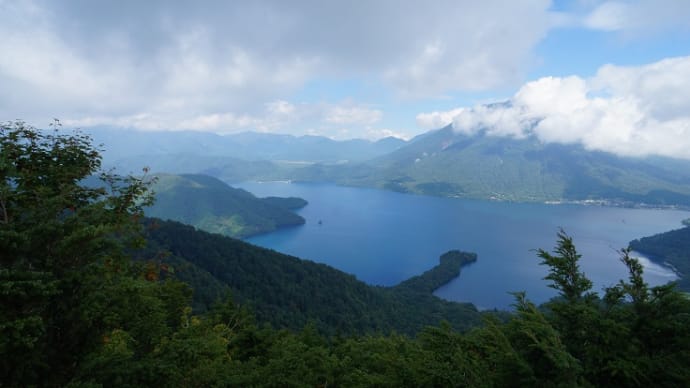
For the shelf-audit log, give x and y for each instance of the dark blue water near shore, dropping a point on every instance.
(384, 237)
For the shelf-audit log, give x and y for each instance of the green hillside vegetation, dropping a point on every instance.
(288, 292)
(211, 205)
(671, 248)
(77, 311)
(447, 270)
(446, 163)
(290, 203)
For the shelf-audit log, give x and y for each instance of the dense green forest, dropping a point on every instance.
(211, 205)
(672, 248)
(76, 310)
(288, 292)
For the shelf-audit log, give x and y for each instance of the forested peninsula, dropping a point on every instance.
(212, 205)
(669, 248)
(288, 292)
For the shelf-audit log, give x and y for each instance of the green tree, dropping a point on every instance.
(564, 270)
(62, 250)
(575, 310)
(655, 322)
(634, 336)
(541, 345)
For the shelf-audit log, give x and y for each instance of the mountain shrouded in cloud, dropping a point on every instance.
(631, 111)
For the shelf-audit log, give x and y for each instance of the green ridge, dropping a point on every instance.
(211, 205)
(671, 248)
(289, 292)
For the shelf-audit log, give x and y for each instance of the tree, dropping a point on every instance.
(62, 249)
(564, 270)
(657, 323)
(542, 346)
(634, 336)
(575, 311)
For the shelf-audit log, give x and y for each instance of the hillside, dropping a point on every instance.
(211, 205)
(440, 162)
(446, 163)
(672, 248)
(289, 292)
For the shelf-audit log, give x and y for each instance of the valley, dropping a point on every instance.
(547, 186)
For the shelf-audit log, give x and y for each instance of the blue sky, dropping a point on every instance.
(595, 72)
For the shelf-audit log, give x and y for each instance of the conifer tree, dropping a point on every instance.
(61, 250)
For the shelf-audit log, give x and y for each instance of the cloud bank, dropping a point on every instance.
(639, 17)
(632, 111)
(216, 65)
(228, 66)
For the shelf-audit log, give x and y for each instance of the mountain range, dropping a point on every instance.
(441, 162)
(125, 145)
(447, 163)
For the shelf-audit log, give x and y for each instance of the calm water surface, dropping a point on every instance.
(384, 237)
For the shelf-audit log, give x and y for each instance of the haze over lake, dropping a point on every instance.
(384, 237)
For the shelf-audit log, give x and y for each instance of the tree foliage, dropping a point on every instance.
(77, 311)
(63, 266)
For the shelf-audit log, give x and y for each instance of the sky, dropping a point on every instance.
(610, 75)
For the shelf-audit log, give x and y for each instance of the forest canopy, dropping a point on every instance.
(76, 310)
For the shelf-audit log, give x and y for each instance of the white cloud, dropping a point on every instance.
(639, 17)
(609, 16)
(185, 62)
(635, 111)
(471, 47)
(226, 66)
(375, 134)
(437, 119)
(353, 115)
(340, 120)
(280, 107)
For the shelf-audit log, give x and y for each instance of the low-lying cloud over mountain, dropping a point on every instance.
(626, 110)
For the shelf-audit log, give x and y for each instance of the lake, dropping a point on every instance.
(384, 237)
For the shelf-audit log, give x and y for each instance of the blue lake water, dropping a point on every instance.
(384, 237)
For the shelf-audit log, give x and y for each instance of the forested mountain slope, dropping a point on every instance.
(447, 163)
(211, 205)
(289, 292)
(672, 248)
